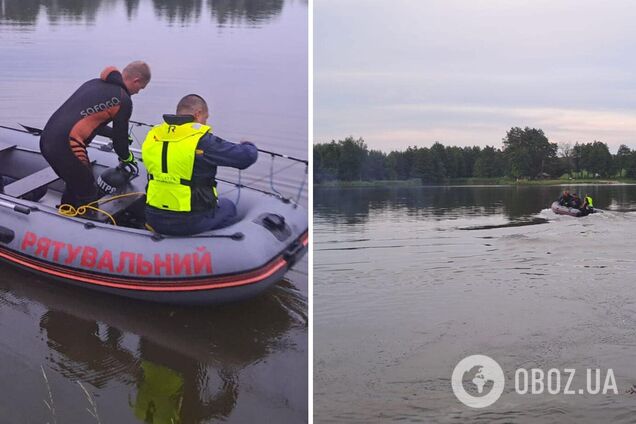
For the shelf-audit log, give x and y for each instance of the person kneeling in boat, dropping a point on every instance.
(181, 156)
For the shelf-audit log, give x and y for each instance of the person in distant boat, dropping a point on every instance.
(588, 204)
(181, 156)
(576, 201)
(83, 116)
(565, 199)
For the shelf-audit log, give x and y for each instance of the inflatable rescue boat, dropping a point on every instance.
(565, 210)
(113, 251)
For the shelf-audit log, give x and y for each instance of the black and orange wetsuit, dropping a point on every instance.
(72, 127)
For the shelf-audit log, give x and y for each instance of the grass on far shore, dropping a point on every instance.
(416, 182)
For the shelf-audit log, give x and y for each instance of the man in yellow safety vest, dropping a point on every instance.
(181, 156)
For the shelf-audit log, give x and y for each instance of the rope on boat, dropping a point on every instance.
(70, 210)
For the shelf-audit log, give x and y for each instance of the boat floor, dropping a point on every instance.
(128, 211)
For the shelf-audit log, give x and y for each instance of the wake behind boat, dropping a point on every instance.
(113, 252)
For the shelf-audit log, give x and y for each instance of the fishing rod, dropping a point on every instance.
(306, 162)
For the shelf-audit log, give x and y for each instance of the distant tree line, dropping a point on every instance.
(526, 154)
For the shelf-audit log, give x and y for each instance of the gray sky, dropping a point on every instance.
(462, 72)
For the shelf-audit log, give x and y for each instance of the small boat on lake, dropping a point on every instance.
(113, 252)
(566, 210)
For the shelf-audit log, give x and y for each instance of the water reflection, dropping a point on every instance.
(182, 11)
(23, 12)
(254, 11)
(131, 8)
(185, 364)
(353, 206)
(26, 12)
(426, 292)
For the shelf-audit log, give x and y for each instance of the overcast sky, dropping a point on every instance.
(411, 72)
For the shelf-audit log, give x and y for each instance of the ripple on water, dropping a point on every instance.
(558, 294)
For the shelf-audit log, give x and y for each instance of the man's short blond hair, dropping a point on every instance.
(191, 104)
(137, 69)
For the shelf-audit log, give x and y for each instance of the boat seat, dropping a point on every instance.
(31, 182)
(5, 146)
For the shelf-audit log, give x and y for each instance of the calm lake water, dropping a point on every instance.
(242, 362)
(409, 281)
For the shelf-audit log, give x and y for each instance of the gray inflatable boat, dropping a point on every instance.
(113, 252)
(566, 210)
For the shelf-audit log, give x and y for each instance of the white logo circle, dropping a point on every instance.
(484, 370)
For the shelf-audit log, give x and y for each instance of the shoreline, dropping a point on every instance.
(413, 183)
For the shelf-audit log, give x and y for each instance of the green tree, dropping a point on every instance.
(528, 151)
(393, 163)
(566, 153)
(423, 167)
(454, 161)
(326, 159)
(630, 165)
(621, 158)
(489, 163)
(470, 157)
(352, 155)
(577, 151)
(374, 167)
(408, 161)
(596, 159)
(438, 157)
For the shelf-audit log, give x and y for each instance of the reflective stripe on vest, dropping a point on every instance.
(168, 154)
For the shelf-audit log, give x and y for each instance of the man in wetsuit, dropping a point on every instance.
(565, 199)
(86, 114)
(181, 156)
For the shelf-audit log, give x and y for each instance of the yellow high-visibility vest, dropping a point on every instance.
(168, 154)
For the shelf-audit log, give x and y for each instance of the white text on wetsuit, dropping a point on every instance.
(100, 107)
